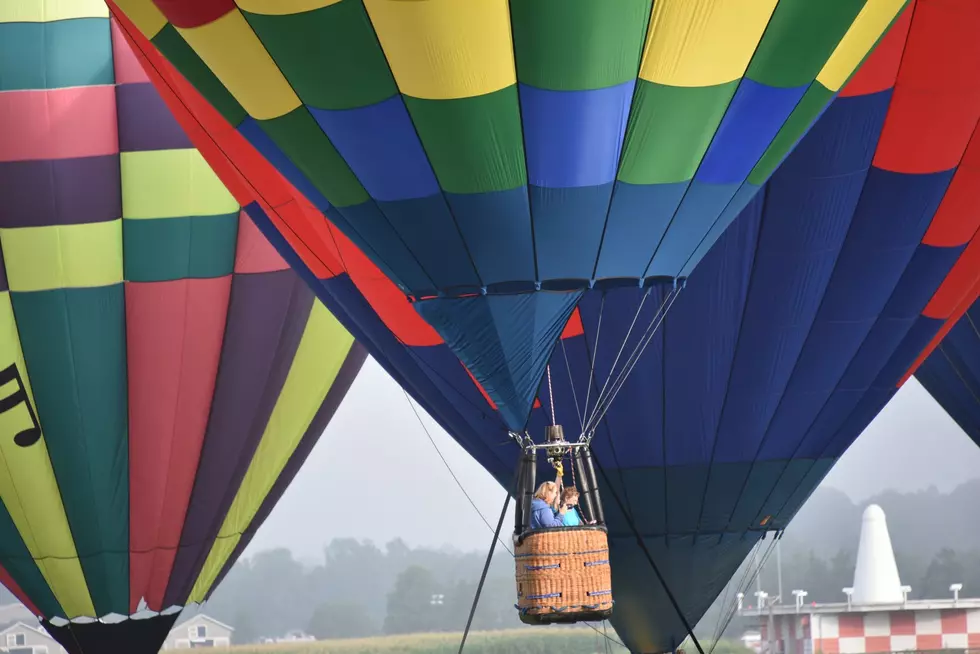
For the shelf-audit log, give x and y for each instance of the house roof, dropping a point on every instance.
(201, 616)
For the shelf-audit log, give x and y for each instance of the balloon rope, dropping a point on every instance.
(551, 397)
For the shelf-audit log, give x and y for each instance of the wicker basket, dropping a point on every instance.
(563, 575)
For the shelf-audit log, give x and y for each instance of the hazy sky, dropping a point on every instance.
(375, 448)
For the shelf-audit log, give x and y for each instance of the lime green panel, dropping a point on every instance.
(319, 357)
(172, 45)
(163, 249)
(74, 343)
(33, 524)
(801, 36)
(171, 183)
(63, 256)
(669, 130)
(814, 101)
(475, 144)
(301, 139)
(571, 45)
(331, 56)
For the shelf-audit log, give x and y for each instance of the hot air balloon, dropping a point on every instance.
(163, 373)
(456, 142)
(793, 331)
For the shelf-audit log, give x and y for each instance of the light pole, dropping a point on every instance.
(739, 597)
(905, 594)
(848, 592)
(799, 595)
(437, 600)
(956, 588)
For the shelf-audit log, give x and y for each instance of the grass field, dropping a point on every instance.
(517, 641)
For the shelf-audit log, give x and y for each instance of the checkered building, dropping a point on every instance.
(874, 631)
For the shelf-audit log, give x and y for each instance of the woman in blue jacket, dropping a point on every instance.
(543, 514)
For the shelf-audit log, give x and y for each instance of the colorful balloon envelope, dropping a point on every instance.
(496, 158)
(799, 324)
(163, 372)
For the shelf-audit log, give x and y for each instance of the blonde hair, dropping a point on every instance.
(545, 488)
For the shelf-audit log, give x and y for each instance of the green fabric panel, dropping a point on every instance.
(571, 45)
(475, 145)
(74, 343)
(194, 247)
(669, 130)
(806, 112)
(55, 55)
(16, 560)
(331, 56)
(801, 36)
(173, 46)
(301, 139)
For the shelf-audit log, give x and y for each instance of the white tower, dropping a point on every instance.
(876, 574)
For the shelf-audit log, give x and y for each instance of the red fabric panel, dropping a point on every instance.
(193, 13)
(253, 252)
(957, 313)
(936, 102)
(574, 326)
(958, 216)
(879, 70)
(174, 332)
(958, 283)
(12, 586)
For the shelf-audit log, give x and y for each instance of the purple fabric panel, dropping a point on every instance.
(267, 315)
(345, 377)
(145, 122)
(60, 191)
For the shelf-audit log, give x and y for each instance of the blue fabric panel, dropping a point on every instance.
(954, 394)
(568, 225)
(879, 248)
(504, 340)
(762, 478)
(695, 572)
(702, 204)
(638, 218)
(382, 148)
(372, 226)
(793, 473)
(818, 470)
(635, 416)
(721, 494)
(348, 230)
(427, 228)
(922, 331)
(254, 134)
(684, 492)
(745, 194)
(573, 138)
(870, 406)
(700, 336)
(495, 223)
(754, 117)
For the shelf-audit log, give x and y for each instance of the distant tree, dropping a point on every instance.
(410, 602)
(945, 569)
(245, 632)
(341, 620)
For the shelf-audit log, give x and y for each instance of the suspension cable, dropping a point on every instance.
(646, 552)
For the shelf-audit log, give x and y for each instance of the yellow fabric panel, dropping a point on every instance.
(702, 42)
(148, 19)
(282, 7)
(322, 351)
(869, 25)
(445, 49)
(235, 55)
(29, 489)
(46, 11)
(63, 256)
(171, 183)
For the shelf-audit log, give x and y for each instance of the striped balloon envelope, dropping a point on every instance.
(798, 325)
(495, 158)
(163, 372)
